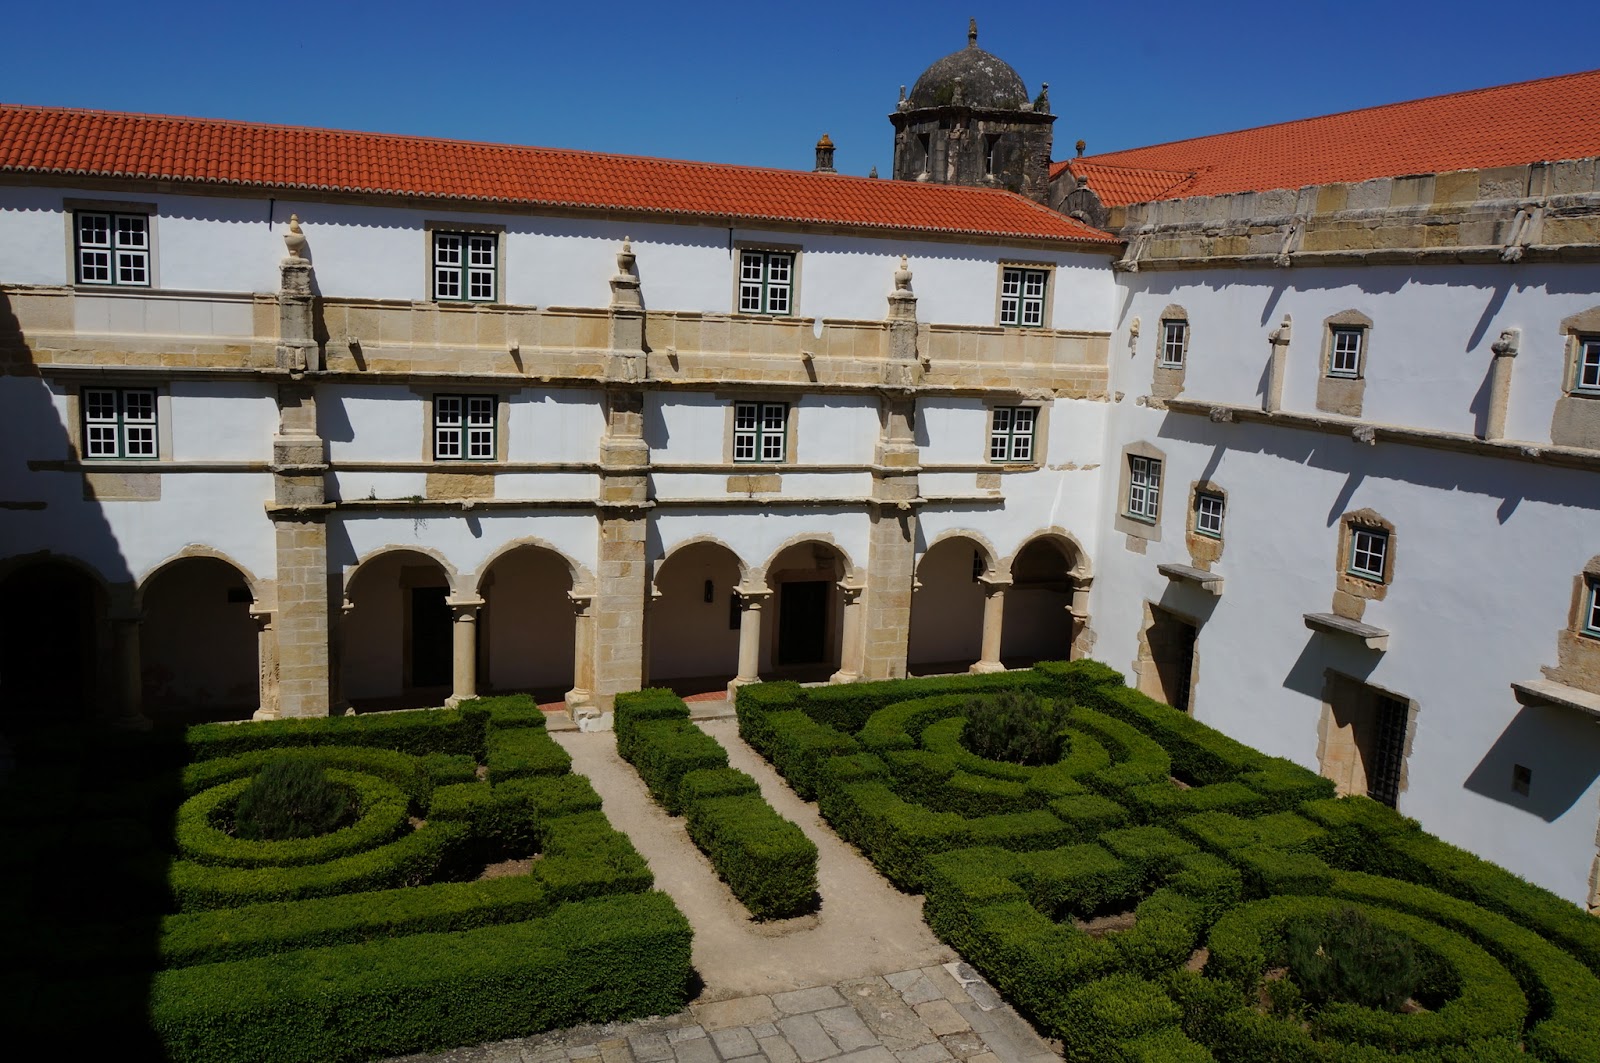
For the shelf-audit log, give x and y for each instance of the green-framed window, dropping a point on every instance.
(119, 423)
(1586, 375)
(766, 282)
(1011, 433)
(1174, 342)
(464, 427)
(1209, 510)
(112, 248)
(1369, 554)
(760, 431)
(1144, 488)
(1590, 621)
(1344, 356)
(465, 267)
(1022, 293)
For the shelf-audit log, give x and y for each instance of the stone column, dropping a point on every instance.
(1277, 366)
(1078, 613)
(266, 664)
(751, 603)
(1505, 353)
(464, 641)
(580, 699)
(851, 643)
(127, 712)
(302, 621)
(994, 613)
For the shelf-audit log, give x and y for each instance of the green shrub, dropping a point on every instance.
(767, 861)
(291, 797)
(416, 776)
(1343, 958)
(521, 752)
(1017, 727)
(380, 816)
(418, 731)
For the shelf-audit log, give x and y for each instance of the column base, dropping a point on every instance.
(456, 699)
(262, 715)
(842, 676)
(985, 667)
(586, 712)
(739, 681)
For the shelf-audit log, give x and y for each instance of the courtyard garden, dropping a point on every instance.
(1139, 886)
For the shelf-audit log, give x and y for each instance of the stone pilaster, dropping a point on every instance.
(126, 711)
(302, 623)
(1505, 354)
(1278, 366)
(266, 663)
(580, 699)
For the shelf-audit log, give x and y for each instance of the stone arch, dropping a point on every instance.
(395, 642)
(1045, 611)
(851, 574)
(199, 643)
(692, 627)
(527, 626)
(1078, 564)
(351, 572)
(56, 648)
(947, 603)
(582, 579)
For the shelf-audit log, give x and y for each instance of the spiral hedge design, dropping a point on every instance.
(372, 940)
(1211, 847)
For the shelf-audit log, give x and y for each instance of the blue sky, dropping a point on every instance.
(758, 83)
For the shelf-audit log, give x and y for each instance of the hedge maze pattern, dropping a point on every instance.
(133, 907)
(1203, 850)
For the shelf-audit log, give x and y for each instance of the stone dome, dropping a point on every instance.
(987, 81)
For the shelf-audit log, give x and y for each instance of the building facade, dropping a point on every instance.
(302, 420)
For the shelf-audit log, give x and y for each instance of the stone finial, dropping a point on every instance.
(1079, 147)
(1284, 331)
(294, 239)
(625, 294)
(904, 104)
(1042, 104)
(1508, 344)
(626, 257)
(902, 276)
(873, 173)
(972, 33)
(824, 156)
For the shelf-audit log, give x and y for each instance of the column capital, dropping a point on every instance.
(994, 584)
(464, 608)
(752, 597)
(851, 591)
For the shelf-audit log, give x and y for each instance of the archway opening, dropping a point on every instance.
(1038, 623)
(694, 620)
(198, 645)
(55, 645)
(947, 608)
(806, 639)
(527, 628)
(396, 650)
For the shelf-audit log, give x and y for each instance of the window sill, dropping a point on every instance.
(1150, 521)
(1548, 692)
(1375, 638)
(1209, 582)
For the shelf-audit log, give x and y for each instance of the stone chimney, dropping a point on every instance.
(824, 156)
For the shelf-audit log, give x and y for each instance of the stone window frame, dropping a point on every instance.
(1197, 511)
(1140, 527)
(1342, 393)
(795, 253)
(1032, 461)
(72, 207)
(1167, 378)
(1205, 549)
(502, 420)
(1576, 419)
(78, 451)
(1589, 610)
(791, 438)
(465, 427)
(1332, 742)
(1586, 368)
(1354, 590)
(431, 228)
(1048, 269)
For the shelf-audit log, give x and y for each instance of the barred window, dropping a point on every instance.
(1022, 296)
(1011, 433)
(464, 267)
(464, 427)
(1144, 487)
(760, 431)
(112, 248)
(766, 282)
(119, 423)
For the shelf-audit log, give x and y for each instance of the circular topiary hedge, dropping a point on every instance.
(381, 816)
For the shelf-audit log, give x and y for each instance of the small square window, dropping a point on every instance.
(766, 282)
(1591, 610)
(119, 423)
(760, 431)
(464, 427)
(1208, 512)
(1586, 379)
(465, 267)
(1144, 488)
(1369, 553)
(1011, 434)
(1022, 294)
(112, 248)
(1174, 343)
(1344, 357)
(1521, 779)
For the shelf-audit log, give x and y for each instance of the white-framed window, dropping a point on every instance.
(766, 282)
(465, 267)
(1344, 355)
(1586, 379)
(1208, 513)
(760, 431)
(1174, 343)
(1369, 553)
(112, 248)
(119, 423)
(1022, 296)
(1144, 488)
(463, 427)
(1590, 621)
(1011, 433)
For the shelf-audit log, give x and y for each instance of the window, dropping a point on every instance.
(1174, 343)
(760, 431)
(463, 427)
(1011, 435)
(1590, 624)
(1144, 488)
(1022, 296)
(1344, 358)
(464, 267)
(766, 282)
(1369, 553)
(989, 144)
(1208, 510)
(1587, 378)
(112, 248)
(119, 423)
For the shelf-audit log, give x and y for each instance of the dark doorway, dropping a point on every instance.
(1172, 649)
(803, 621)
(1388, 750)
(431, 639)
(47, 643)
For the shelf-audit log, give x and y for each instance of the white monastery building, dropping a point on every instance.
(1297, 426)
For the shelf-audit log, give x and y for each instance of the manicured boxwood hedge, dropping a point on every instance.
(1198, 839)
(766, 860)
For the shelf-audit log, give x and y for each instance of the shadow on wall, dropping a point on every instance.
(1559, 748)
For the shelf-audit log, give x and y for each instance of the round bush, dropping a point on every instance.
(1345, 958)
(1015, 726)
(380, 817)
(291, 797)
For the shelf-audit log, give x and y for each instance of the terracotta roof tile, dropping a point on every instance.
(1531, 121)
(211, 151)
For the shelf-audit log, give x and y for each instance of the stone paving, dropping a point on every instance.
(924, 1015)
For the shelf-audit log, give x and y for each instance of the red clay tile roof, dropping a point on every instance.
(1532, 121)
(210, 151)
